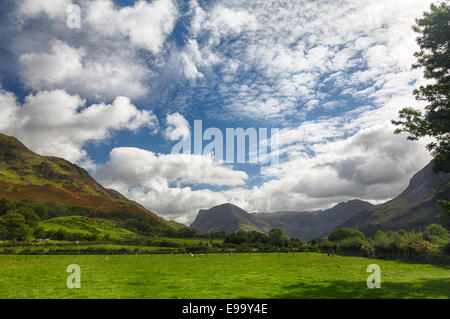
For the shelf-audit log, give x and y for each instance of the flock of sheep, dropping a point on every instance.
(199, 255)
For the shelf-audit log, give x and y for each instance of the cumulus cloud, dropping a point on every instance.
(71, 68)
(146, 24)
(331, 74)
(177, 127)
(81, 61)
(53, 8)
(162, 182)
(49, 68)
(135, 166)
(373, 165)
(57, 123)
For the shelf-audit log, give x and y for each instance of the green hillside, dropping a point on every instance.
(25, 175)
(86, 226)
(414, 209)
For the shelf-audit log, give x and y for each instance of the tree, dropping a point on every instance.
(31, 218)
(277, 237)
(39, 233)
(3, 229)
(3, 206)
(16, 226)
(434, 57)
(435, 232)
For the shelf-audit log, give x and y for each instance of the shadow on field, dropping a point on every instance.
(424, 288)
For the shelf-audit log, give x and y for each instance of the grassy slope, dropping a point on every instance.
(299, 275)
(398, 213)
(101, 227)
(414, 209)
(87, 226)
(27, 175)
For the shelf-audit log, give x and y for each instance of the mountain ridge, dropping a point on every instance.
(413, 209)
(220, 217)
(227, 217)
(25, 174)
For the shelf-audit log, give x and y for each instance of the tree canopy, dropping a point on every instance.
(434, 58)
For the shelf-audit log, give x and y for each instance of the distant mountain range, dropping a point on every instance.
(414, 208)
(308, 225)
(27, 175)
(302, 225)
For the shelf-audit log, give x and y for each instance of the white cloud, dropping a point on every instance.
(115, 52)
(59, 124)
(135, 166)
(264, 60)
(147, 178)
(8, 106)
(374, 165)
(286, 52)
(146, 24)
(53, 8)
(74, 70)
(43, 69)
(177, 127)
(192, 59)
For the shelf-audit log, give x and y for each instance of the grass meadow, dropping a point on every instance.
(256, 275)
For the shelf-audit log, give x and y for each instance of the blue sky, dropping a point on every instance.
(116, 94)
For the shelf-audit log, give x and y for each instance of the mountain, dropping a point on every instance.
(302, 225)
(27, 175)
(415, 208)
(308, 225)
(226, 217)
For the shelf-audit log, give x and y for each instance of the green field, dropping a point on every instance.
(282, 275)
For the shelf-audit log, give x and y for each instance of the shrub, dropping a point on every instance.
(435, 233)
(351, 243)
(344, 233)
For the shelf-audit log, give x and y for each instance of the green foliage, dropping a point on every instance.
(249, 241)
(16, 226)
(39, 233)
(434, 57)
(352, 243)
(446, 205)
(278, 238)
(3, 206)
(3, 229)
(435, 233)
(345, 233)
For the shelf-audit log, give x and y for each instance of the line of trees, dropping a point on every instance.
(274, 240)
(431, 245)
(19, 221)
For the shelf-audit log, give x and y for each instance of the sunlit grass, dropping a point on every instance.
(293, 275)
